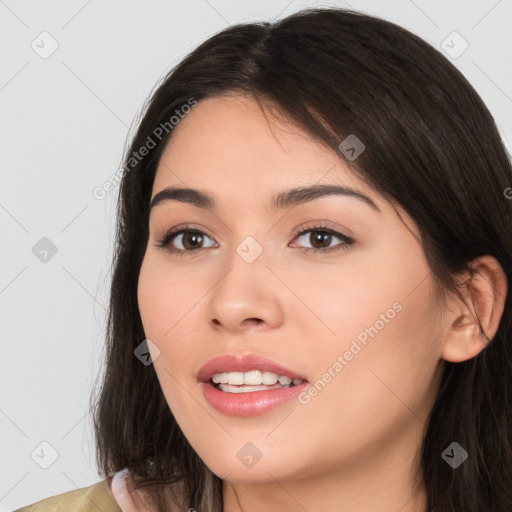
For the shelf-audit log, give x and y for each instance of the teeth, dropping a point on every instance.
(220, 377)
(269, 378)
(253, 378)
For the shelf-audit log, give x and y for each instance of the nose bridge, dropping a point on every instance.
(250, 249)
(247, 266)
(249, 242)
(246, 289)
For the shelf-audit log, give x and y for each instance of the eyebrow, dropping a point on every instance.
(285, 199)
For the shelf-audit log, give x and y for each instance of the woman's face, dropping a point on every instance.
(358, 323)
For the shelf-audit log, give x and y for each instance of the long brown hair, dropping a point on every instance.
(431, 145)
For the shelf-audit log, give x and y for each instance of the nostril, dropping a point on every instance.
(253, 320)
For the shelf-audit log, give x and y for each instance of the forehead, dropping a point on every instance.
(228, 141)
(243, 158)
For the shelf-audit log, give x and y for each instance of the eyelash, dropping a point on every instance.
(166, 239)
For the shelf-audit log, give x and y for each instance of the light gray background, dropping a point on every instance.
(63, 124)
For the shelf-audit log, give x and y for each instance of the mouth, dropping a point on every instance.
(247, 373)
(248, 384)
(251, 381)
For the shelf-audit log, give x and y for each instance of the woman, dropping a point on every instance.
(309, 305)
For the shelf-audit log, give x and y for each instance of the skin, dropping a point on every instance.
(353, 446)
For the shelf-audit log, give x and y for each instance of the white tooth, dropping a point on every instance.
(253, 378)
(235, 378)
(269, 378)
(226, 388)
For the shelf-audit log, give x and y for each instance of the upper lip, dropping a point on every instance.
(243, 363)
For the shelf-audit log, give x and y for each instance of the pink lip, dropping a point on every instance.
(244, 363)
(251, 403)
(248, 404)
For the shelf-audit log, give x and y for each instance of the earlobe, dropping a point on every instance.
(485, 295)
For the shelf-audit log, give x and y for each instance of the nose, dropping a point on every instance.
(247, 296)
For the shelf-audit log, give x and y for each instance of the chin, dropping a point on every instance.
(246, 466)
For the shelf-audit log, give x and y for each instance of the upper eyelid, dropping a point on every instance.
(316, 225)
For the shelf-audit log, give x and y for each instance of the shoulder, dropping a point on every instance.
(86, 499)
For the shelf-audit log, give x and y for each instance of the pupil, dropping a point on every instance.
(321, 235)
(195, 236)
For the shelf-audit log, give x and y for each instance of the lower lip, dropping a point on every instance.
(251, 403)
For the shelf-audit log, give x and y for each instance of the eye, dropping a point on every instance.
(186, 239)
(189, 240)
(323, 237)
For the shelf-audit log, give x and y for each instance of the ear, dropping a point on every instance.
(485, 295)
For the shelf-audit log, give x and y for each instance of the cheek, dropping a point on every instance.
(341, 305)
(348, 295)
(382, 323)
(166, 300)
(168, 307)
(380, 385)
(153, 311)
(390, 355)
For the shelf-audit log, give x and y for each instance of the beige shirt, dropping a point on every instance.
(95, 498)
(100, 498)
